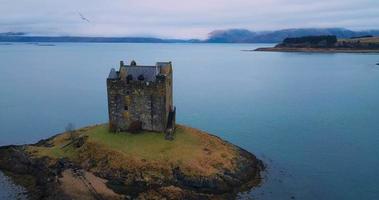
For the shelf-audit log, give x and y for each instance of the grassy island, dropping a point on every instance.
(92, 163)
(326, 44)
(197, 151)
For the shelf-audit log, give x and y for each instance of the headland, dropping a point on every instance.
(326, 44)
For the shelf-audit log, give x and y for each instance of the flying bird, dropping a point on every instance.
(83, 18)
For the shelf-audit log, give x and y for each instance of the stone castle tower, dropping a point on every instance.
(140, 98)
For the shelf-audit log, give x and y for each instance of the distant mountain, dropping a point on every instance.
(218, 36)
(246, 36)
(20, 37)
(231, 36)
(12, 34)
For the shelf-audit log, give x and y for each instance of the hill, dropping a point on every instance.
(92, 163)
(217, 36)
(327, 44)
(21, 37)
(246, 36)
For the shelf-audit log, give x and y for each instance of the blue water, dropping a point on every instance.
(312, 118)
(8, 190)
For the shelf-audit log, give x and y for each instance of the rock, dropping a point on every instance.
(79, 142)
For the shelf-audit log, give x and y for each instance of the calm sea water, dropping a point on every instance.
(312, 118)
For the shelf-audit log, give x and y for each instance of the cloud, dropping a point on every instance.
(181, 19)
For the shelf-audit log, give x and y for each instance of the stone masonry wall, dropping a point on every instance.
(137, 102)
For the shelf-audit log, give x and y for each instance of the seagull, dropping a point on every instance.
(82, 17)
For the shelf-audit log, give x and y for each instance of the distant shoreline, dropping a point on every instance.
(315, 50)
(63, 39)
(326, 44)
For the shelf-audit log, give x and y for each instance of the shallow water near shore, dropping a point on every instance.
(312, 118)
(9, 190)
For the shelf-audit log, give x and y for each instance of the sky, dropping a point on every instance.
(180, 18)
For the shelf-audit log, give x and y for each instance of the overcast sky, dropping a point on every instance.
(181, 18)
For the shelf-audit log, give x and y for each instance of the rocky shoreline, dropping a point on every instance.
(51, 178)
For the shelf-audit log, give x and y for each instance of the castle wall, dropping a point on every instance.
(169, 97)
(115, 104)
(147, 104)
(137, 101)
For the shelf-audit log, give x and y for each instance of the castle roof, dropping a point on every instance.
(113, 74)
(148, 72)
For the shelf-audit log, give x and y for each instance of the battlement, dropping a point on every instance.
(134, 72)
(140, 97)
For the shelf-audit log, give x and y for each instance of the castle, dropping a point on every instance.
(141, 98)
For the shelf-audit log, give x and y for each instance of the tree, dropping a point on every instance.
(70, 128)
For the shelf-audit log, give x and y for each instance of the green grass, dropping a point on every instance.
(55, 151)
(147, 145)
(68, 151)
(194, 151)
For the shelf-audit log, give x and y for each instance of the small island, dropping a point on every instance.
(140, 154)
(93, 163)
(327, 44)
